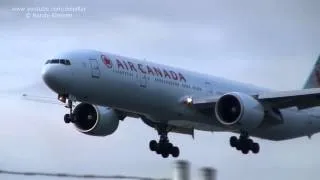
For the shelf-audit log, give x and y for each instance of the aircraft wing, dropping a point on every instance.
(302, 99)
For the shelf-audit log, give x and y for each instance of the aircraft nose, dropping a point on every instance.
(54, 78)
(48, 76)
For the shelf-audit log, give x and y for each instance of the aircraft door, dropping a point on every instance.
(312, 119)
(95, 71)
(209, 88)
(142, 79)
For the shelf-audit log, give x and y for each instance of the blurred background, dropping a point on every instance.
(272, 44)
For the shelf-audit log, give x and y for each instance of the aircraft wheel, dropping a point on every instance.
(153, 145)
(175, 152)
(255, 148)
(233, 141)
(165, 154)
(158, 151)
(169, 146)
(67, 118)
(238, 147)
(161, 147)
(245, 149)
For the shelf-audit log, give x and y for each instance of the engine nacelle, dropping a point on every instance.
(95, 120)
(239, 110)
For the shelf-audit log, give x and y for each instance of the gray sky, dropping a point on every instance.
(268, 43)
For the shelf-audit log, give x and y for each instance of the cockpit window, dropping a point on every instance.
(58, 61)
(68, 62)
(55, 61)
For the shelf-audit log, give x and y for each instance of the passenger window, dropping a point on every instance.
(62, 61)
(48, 62)
(67, 62)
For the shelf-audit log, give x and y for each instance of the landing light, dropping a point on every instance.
(62, 98)
(189, 100)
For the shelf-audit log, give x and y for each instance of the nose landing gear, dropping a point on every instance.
(67, 117)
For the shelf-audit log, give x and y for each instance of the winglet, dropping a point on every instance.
(313, 80)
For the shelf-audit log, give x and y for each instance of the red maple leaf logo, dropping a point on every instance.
(106, 61)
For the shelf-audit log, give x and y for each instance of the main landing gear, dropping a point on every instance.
(244, 143)
(164, 147)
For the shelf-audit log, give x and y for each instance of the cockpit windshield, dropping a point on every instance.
(58, 61)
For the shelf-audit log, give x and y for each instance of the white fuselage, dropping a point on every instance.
(156, 91)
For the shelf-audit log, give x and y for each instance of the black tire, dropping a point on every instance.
(67, 118)
(175, 152)
(245, 150)
(233, 141)
(240, 144)
(255, 148)
(158, 151)
(245, 146)
(165, 154)
(161, 148)
(153, 145)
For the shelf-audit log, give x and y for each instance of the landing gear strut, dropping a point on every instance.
(164, 147)
(69, 117)
(244, 143)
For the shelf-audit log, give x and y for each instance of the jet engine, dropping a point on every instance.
(95, 120)
(239, 110)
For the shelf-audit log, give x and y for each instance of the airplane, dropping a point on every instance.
(108, 88)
